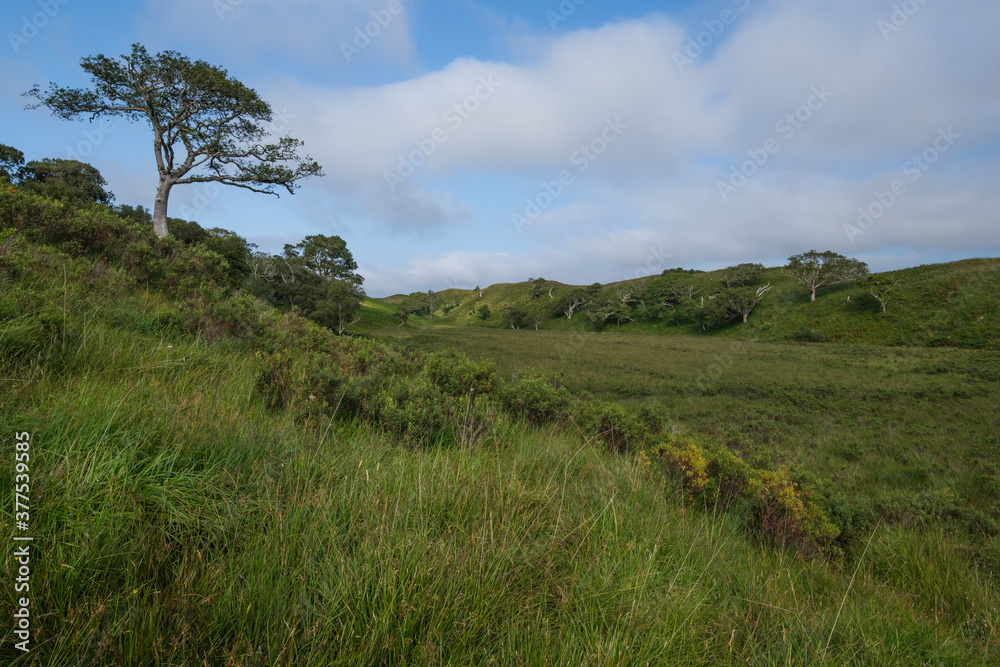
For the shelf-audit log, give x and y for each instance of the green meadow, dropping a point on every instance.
(214, 481)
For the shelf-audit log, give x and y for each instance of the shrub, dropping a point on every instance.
(472, 421)
(456, 375)
(783, 512)
(654, 417)
(786, 515)
(734, 476)
(533, 398)
(617, 427)
(687, 463)
(413, 411)
(273, 379)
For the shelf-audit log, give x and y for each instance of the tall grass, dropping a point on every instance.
(180, 520)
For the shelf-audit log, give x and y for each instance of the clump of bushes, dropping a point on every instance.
(687, 462)
(534, 398)
(617, 427)
(781, 510)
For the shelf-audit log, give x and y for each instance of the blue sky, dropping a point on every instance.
(471, 143)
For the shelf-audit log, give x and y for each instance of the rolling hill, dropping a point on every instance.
(955, 304)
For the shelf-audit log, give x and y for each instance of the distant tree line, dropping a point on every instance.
(677, 296)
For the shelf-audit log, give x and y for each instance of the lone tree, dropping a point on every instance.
(203, 121)
(821, 269)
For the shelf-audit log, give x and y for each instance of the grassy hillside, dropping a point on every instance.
(955, 304)
(213, 482)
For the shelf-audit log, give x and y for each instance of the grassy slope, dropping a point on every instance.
(954, 304)
(177, 520)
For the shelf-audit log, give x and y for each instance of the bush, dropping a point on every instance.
(534, 398)
(456, 375)
(787, 517)
(782, 511)
(733, 475)
(614, 425)
(687, 462)
(413, 411)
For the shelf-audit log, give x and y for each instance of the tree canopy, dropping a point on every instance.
(11, 160)
(742, 275)
(815, 269)
(207, 126)
(65, 179)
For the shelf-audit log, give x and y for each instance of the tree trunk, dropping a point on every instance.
(745, 317)
(160, 206)
(813, 297)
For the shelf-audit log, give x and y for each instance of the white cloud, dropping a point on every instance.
(655, 186)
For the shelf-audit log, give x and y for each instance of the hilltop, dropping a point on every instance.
(955, 304)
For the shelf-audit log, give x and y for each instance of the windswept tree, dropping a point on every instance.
(569, 304)
(514, 318)
(326, 256)
(336, 291)
(740, 301)
(822, 269)
(207, 126)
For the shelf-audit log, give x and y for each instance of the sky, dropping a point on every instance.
(470, 143)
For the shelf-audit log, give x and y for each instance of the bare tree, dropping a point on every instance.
(572, 305)
(880, 286)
